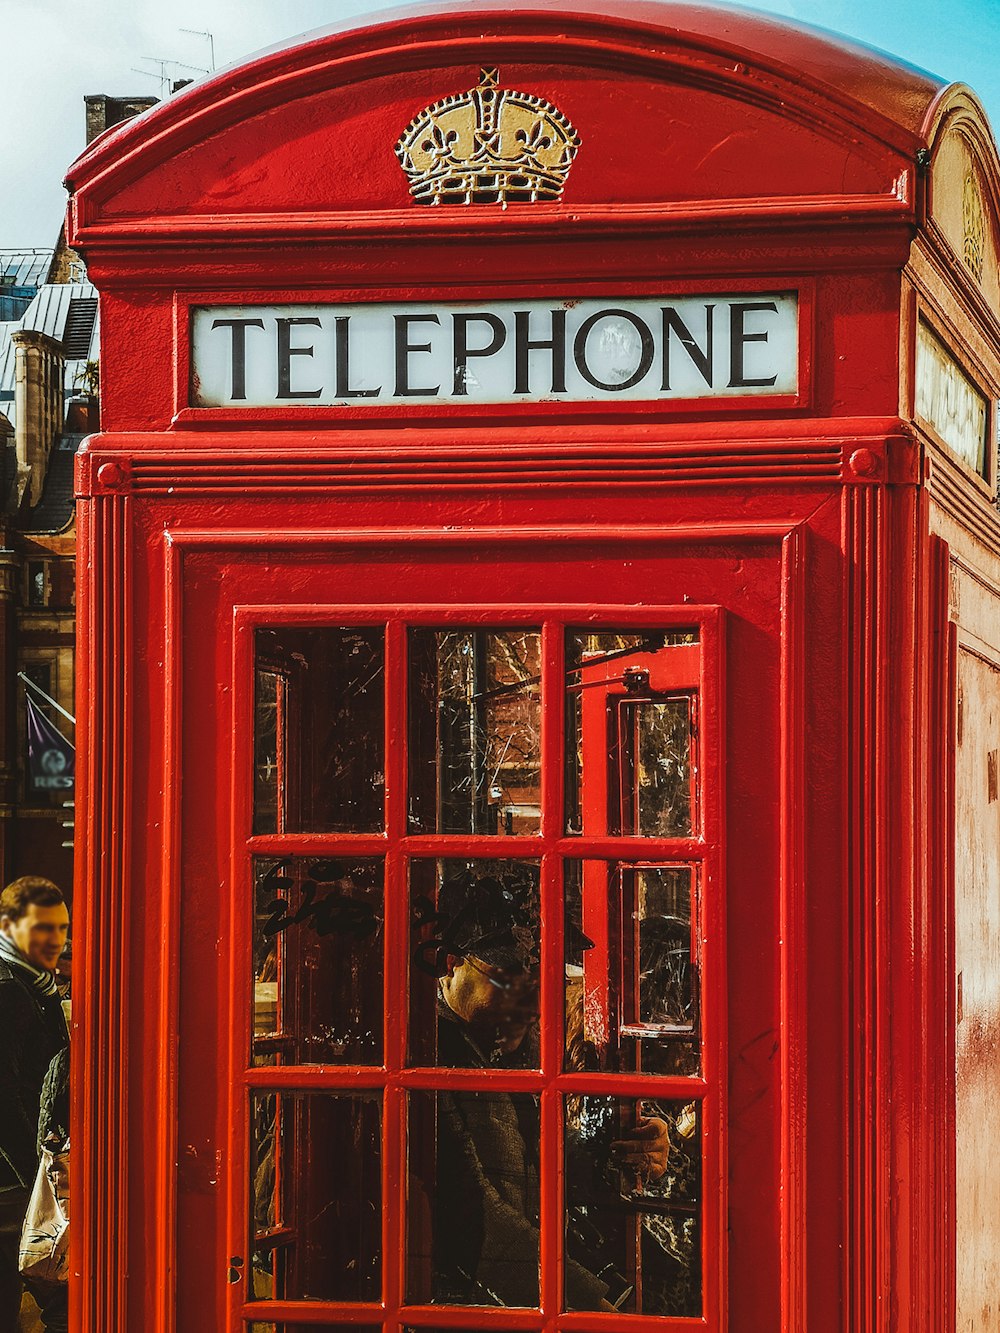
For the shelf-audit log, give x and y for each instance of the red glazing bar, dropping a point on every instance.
(711, 924)
(553, 805)
(475, 1318)
(321, 1313)
(463, 845)
(394, 1157)
(595, 795)
(318, 844)
(635, 850)
(240, 952)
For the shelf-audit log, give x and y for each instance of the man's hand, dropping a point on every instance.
(644, 1150)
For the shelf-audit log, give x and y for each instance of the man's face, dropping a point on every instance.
(40, 933)
(498, 1004)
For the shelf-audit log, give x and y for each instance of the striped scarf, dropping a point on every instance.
(41, 978)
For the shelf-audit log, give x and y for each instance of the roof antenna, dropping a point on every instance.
(211, 44)
(166, 79)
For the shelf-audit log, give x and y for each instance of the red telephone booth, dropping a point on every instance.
(539, 701)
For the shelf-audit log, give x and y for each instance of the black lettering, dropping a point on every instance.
(523, 345)
(738, 337)
(645, 351)
(342, 334)
(285, 353)
(239, 331)
(672, 323)
(463, 351)
(403, 349)
(336, 913)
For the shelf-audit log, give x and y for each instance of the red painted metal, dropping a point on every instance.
(721, 152)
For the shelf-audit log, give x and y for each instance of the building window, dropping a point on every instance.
(37, 581)
(40, 674)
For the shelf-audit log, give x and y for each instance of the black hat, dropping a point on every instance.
(494, 917)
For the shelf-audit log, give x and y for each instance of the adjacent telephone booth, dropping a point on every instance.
(537, 574)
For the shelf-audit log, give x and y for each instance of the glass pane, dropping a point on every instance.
(472, 1235)
(654, 752)
(315, 1187)
(633, 1205)
(632, 975)
(475, 726)
(474, 964)
(269, 748)
(319, 739)
(630, 758)
(317, 948)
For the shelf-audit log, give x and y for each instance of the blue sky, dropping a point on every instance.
(57, 51)
(957, 39)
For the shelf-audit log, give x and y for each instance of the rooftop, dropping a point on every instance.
(66, 312)
(24, 268)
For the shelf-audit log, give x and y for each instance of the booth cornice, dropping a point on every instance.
(793, 212)
(859, 451)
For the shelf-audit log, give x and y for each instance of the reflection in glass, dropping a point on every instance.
(317, 940)
(631, 961)
(474, 952)
(270, 760)
(630, 701)
(319, 734)
(472, 1234)
(258, 1327)
(475, 725)
(315, 1186)
(653, 749)
(633, 1200)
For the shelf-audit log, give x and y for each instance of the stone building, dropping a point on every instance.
(48, 403)
(49, 337)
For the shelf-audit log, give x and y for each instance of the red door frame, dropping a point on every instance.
(705, 850)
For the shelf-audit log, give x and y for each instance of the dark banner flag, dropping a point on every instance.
(51, 757)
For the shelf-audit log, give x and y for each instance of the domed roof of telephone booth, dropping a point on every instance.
(673, 104)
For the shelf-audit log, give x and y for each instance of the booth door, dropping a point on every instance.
(471, 1062)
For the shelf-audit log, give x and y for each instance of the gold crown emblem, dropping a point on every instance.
(488, 146)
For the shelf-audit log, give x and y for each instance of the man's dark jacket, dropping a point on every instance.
(486, 1238)
(32, 1031)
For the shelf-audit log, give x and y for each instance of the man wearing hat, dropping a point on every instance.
(486, 1204)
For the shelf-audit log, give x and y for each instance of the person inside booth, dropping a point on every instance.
(485, 1187)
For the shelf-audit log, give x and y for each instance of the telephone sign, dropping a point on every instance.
(706, 346)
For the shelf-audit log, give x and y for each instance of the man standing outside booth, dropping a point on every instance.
(34, 922)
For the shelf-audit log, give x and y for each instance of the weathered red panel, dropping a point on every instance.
(655, 141)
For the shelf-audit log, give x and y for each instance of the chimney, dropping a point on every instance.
(104, 111)
(38, 402)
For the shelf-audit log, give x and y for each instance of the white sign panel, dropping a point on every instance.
(948, 400)
(602, 350)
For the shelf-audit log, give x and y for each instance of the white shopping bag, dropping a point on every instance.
(44, 1253)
